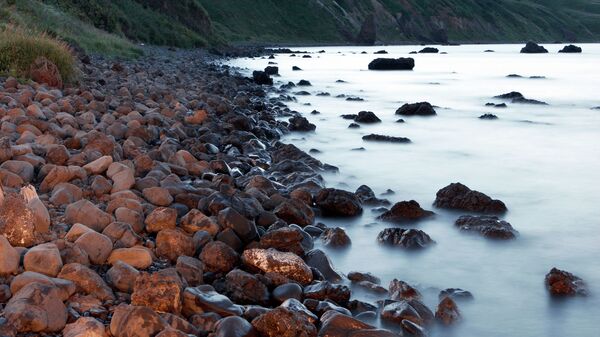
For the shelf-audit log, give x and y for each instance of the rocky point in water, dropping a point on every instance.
(416, 109)
(402, 63)
(562, 283)
(571, 49)
(533, 48)
(459, 196)
(489, 226)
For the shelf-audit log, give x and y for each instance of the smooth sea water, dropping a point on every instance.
(542, 161)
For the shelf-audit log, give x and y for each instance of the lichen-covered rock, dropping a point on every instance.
(9, 257)
(160, 291)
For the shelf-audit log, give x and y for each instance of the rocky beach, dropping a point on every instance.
(156, 198)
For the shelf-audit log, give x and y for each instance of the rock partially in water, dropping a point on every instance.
(404, 211)
(284, 322)
(429, 50)
(533, 48)
(204, 298)
(413, 311)
(488, 116)
(298, 123)
(459, 196)
(381, 52)
(447, 312)
(400, 290)
(456, 294)
(318, 260)
(324, 290)
(261, 77)
(334, 202)
(272, 70)
(335, 237)
(356, 276)
(489, 226)
(367, 117)
(304, 83)
(405, 238)
(402, 63)
(416, 109)
(387, 139)
(562, 283)
(336, 324)
(570, 49)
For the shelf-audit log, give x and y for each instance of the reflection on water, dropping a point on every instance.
(542, 161)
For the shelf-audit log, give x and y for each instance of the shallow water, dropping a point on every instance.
(542, 161)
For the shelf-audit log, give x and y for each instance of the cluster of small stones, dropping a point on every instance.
(154, 198)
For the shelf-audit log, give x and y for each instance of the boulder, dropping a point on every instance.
(447, 312)
(9, 258)
(459, 196)
(413, 311)
(533, 48)
(161, 218)
(317, 259)
(294, 211)
(43, 71)
(287, 291)
(204, 298)
(273, 261)
(87, 281)
(489, 226)
(37, 308)
(416, 109)
(299, 123)
(122, 276)
(160, 291)
(137, 257)
(88, 214)
(85, 327)
(173, 243)
(570, 49)
(367, 117)
(44, 259)
(562, 283)
(325, 290)
(234, 326)
(97, 246)
(335, 237)
(219, 257)
(243, 228)
(283, 322)
(429, 50)
(191, 270)
(286, 239)
(400, 290)
(405, 238)
(335, 324)
(158, 196)
(195, 221)
(17, 221)
(245, 288)
(402, 63)
(334, 202)
(98, 166)
(135, 321)
(261, 77)
(405, 211)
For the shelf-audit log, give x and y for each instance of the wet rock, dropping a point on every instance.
(387, 139)
(37, 308)
(356, 276)
(447, 312)
(405, 238)
(405, 211)
(488, 116)
(286, 239)
(160, 291)
(429, 50)
(400, 290)
(317, 259)
(219, 257)
(336, 324)
(173, 243)
(234, 327)
(122, 276)
(392, 64)
(204, 298)
(298, 123)
(488, 226)
(287, 291)
(129, 320)
(245, 288)
(272, 70)
(243, 228)
(459, 196)
(367, 117)
(325, 290)
(274, 261)
(44, 259)
(413, 311)
(562, 283)
(533, 48)
(334, 202)
(283, 322)
(303, 83)
(570, 49)
(294, 211)
(455, 294)
(85, 327)
(335, 237)
(9, 258)
(416, 109)
(261, 77)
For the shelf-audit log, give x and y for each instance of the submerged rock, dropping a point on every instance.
(459, 196)
(488, 226)
(392, 64)
(387, 139)
(405, 238)
(562, 283)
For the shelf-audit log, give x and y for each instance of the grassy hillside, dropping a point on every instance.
(115, 27)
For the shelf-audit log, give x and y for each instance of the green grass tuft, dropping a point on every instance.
(19, 49)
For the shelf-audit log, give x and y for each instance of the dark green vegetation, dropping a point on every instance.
(114, 26)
